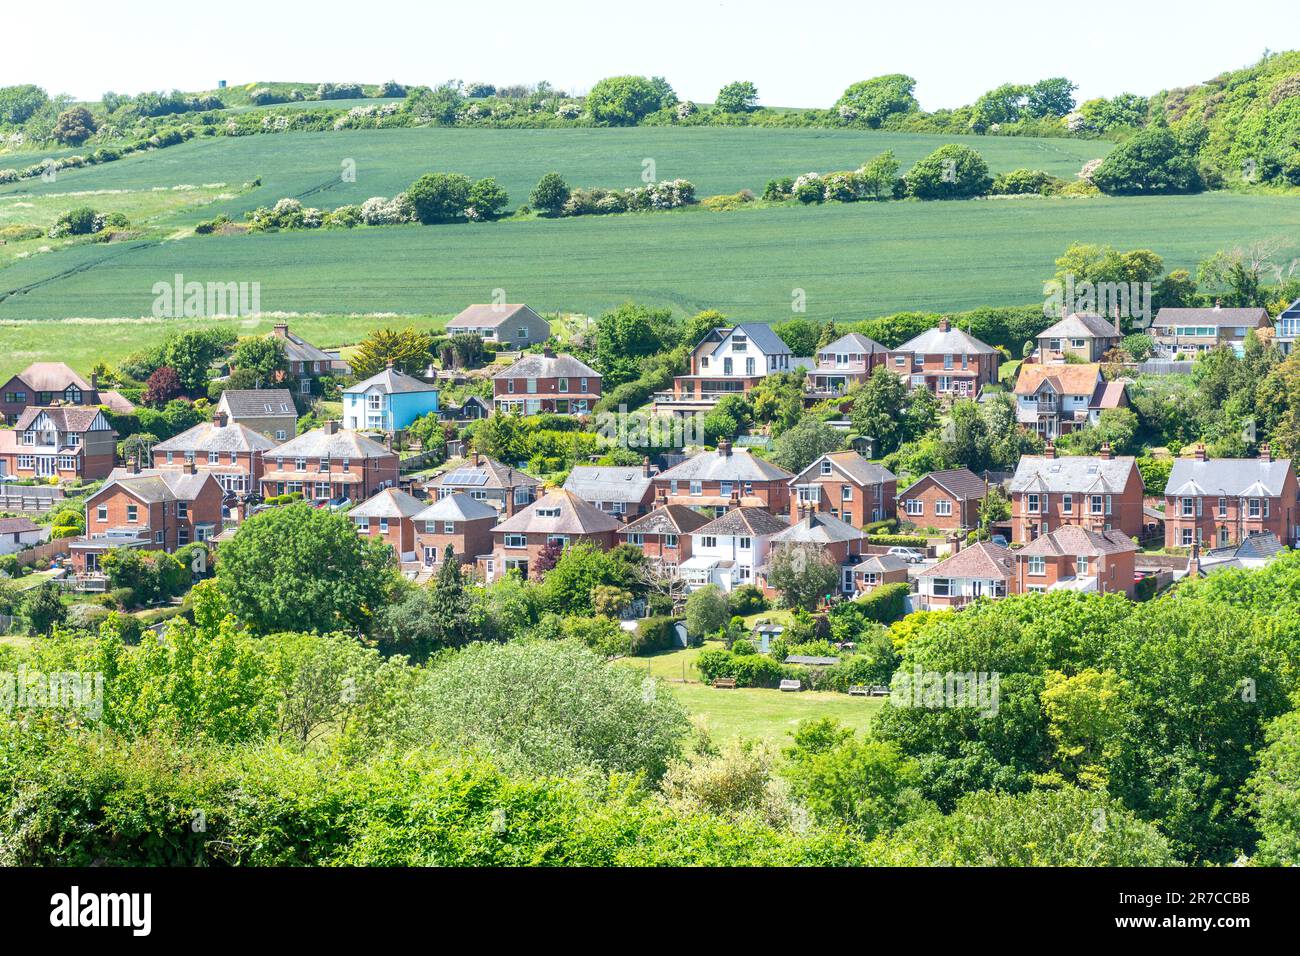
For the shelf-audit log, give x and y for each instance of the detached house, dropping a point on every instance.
(54, 383)
(64, 442)
(234, 454)
(846, 362)
(150, 509)
(328, 464)
(1220, 502)
(625, 492)
(1054, 400)
(557, 519)
(458, 520)
(485, 479)
(947, 361)
(268, 411)
(307, 363)
(728, 550)
(724, 479)
(558, 384)
(826, 535)
(847, 486)
(512, 326)
(664, 535)
(389, 516)
(1100, 493)
(943, 500)
(982, 570)
(1199, 330)
(388, 401)
(1076, 559)
(1288, 328)
(1084, 336)
(726, 361)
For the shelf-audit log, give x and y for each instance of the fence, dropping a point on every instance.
(1162, 367)
(43, 551)
(29, 498)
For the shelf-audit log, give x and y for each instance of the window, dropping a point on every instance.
(132, 513)
(1186, 537)
(745, 543)
(1095, 504)
(449, 527)
(1031, 504)
(697, 488)
(1081, 564)
(1188, 507)
(561, 384)
(826, 468)
(846, 493)
(101, 513)
(943, 508)
(183, 510)
(279, 434)
(1037, 565)
(160, 537)
(942, 587)
(914, 506)
(1253, 508)
(183, 536)
(636, 538)
(1223, 507)
(584, 386)
(344, 464)
(516, 541)
(670, 541)
(531, 386)
(510, 385)
(214, 458)
(1067, 504)
(708, 541)
(300, 464)
(383, 526)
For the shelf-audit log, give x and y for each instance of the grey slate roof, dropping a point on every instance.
(608, 483)
(853, 466)
(490, 316)
(745, 521)
(952, 342)
(1234, 477)
(1080, 325)
(390, 382)
(855, 343)
(1038, 473)
(1251, 317)
(389, 503)
(575, 516)
(881, 563)
(457, 507)
(18, 525)
(961, 483)
(548, 366)
(298, 349)
(208, 436)
(668, 519)
(252, 402)
(344, 443)
(739, 465)
(152, 485)
(757, 332)
(67, 418)
(819, 528)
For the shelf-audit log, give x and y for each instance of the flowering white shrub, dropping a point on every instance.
(569, 111)
(1089, 168)
(378, 211)
(684, 109)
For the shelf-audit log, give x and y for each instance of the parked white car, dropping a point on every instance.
(910, 555)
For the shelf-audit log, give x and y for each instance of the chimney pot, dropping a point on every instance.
(1265, 452)
(1200, 451)
(945, 325)
(281, 330)
(724, 447)
(1050, 450)
(645, 466)
(1105, 450)
(221, 419)
(134, 462)
(192, 466)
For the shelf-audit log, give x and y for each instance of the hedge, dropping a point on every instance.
(749, 670)
(654, 634)
(898, 540)
(885, 604)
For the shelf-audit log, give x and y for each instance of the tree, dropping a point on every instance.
(407, 349)
(501, 436)
(950, 172)
(798, 447)
(879, 178)
(19, 103)
(1274, 794)
(623, 100)
(800, 335)
(74, 126)
(44, 608)
(576, 573)
(706, 611)
(550, 194)
(263, 356)
(442, 105)
(1001, 105)
(191, 354)
(1237, 275)
(1086, 715)
(163, 386)
(486, 200)
(876, 409)
(462, 350)
(805, 575)
(299, 568)
(439, 197)
(873, 101)
(1150, 163)
(1051, 97)
(454, 616)
(738, 97)
(626, 337)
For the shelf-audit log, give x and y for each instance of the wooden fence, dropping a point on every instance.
(44, 551)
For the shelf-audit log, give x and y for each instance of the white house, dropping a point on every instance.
(18, 534)
(727, 550)
(727, 360)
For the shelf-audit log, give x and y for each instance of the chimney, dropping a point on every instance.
(645, 466)
(509, 489)
(192, 466)
(280, 330)
(956, 542)
(94, 380)
(330, 428)
(134, 462)
(221, 419)
(1050, 450)
(478, 459)
(1118, 331)
(388, 364)
(661, 497)
(945, 325)
(388, 441)
(1200, 451)
(548, 352)
(724, 447)
(1218, 304)
(1105, 454)
(735, 496)
(1194, 562)
(1265, 452)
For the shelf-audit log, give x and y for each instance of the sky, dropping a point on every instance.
(797, 53)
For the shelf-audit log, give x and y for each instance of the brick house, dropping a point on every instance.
(1072, 558)
(846, 362)
(513, 326)
(65, 442)
(235, 454)
(944, 500)
(846, 485)
(1056, 399)
(1220, 502)
(625, 492)
(329, 464)
(947, 361)
(1188, 331)
(726, 361)
(1099, 493)
(1085, 336)
(560, 518)
(723, 479)
(150, 509)
(269, 411)
(458, 520)
(49, 383)
(389, 517)
(982, 570)
(877, 570)
(728, 551)
(664, 535)
(306, 362)
(557, 384)
(826, 535)
(503, 487)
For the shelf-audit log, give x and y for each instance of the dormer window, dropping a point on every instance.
(548, 512)
(826, 468)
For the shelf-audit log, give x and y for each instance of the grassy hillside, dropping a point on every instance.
(853, 261)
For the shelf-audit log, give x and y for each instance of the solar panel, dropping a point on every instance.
(465, 478)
